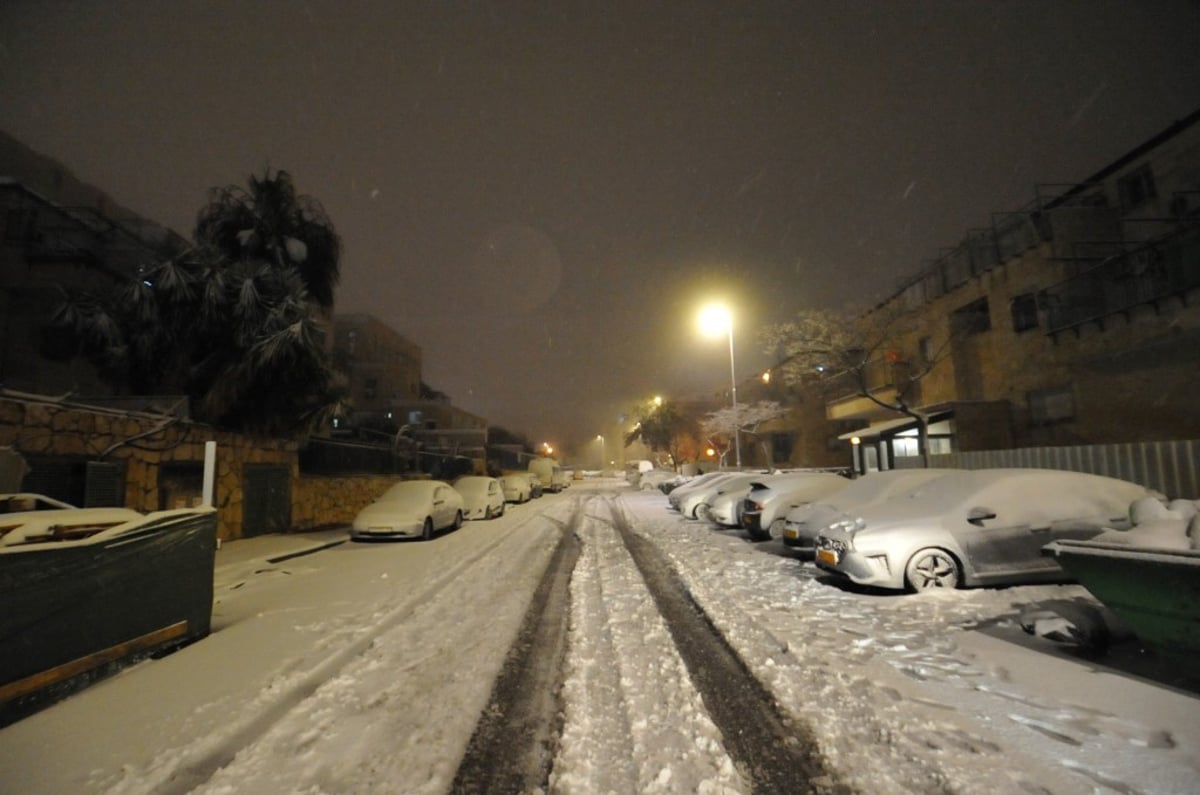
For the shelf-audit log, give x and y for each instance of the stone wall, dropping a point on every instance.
(36, 426)
(319, 501)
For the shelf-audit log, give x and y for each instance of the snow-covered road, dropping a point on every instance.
(365, 668)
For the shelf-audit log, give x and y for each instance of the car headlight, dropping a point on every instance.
(836, 545)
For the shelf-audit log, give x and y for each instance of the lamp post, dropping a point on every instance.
(600, 437)
(715, 319)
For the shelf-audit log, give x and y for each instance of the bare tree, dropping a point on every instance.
(723, 423)
(875, 354)
(663, 428)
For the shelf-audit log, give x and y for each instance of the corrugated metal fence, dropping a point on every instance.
(1170, 467)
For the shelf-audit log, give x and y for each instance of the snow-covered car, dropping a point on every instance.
(654, 478)
(974, 527)
(801, 524)
(724, 510)
(697, 503)
(483, 498)
(535, 484)
(677, 495)
(410, 508)
(516, 487)
(769, 499)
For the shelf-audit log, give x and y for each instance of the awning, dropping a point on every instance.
(902, 423)
(936, 414)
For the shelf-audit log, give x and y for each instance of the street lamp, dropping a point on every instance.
(601, 438)
(715, 319)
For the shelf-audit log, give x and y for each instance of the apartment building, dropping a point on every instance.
(1072, 320)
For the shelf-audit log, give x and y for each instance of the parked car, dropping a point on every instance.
(654, 478)
(769, 499)
(483, 497)
(550, 473)
(411, 508)
(974, 527)
(516, 487)
(800, 524)
(535, 484)
(678, 494)
(698, 502)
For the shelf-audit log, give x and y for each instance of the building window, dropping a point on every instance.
(1024, 312)
(1136, 188)
(781, 447)
(925, 348)
(974, 318)
(1047, 406)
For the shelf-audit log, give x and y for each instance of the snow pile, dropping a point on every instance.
(1158, 524)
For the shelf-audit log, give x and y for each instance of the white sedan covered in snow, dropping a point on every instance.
(974, 527)
(409, 509)
(483, 497)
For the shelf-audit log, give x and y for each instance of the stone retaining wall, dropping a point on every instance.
(146, 442)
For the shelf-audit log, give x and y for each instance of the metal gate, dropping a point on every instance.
(266, 499)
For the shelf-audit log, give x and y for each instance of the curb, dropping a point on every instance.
(306, 551)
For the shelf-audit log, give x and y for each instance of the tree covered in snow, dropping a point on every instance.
(236, 322)
(665, 427)
(879, 355)
(719, 426)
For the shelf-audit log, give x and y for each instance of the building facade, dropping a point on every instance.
(1074, 320)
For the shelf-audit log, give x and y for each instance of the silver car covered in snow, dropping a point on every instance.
(980, 527)
(802, 523)
(769, 499)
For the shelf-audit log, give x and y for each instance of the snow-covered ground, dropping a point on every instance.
(364, 668)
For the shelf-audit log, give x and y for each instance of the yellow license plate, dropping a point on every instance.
(827, 556)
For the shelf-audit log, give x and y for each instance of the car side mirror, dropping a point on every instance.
(976, 516)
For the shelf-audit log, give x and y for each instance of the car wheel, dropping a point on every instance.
(487, 512)
(427, 529)
(501, 510)
(457, 520)
(703, 511)
(932, 568)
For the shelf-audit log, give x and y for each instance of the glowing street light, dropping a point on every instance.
(601, 439)
(716, 319)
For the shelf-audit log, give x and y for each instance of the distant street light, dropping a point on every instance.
(601, 438)
(716, 319)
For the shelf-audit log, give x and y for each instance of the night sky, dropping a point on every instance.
(542, 194)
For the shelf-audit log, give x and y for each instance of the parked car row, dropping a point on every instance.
(916, 529)
(421, 508)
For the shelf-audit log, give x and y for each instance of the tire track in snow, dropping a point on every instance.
(771, 751)
(514, 742)
(633, 721)
(195, 766)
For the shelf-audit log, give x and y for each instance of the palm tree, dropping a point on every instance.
(271, 223)
(231, 321)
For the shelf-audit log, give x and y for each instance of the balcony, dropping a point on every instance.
(844, 398)
(1144, 275)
